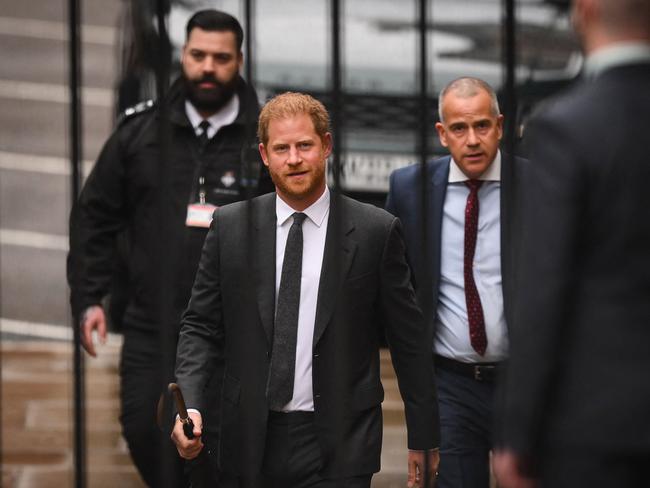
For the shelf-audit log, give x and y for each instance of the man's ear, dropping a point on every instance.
(500, 125)
(583, 14)
(442, 133)
(327, 144)
(183, 53)
(240, 60)
(263, 154)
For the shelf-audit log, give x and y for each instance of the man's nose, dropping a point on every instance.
(208, 65)
(294, 156)
(472, 138)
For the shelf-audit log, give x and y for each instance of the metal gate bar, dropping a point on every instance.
(76, 153)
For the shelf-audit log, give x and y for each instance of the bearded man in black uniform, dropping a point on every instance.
(210, 109)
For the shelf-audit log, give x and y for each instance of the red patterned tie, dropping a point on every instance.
(474, 309)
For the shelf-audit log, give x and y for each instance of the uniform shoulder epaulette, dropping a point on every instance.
(136, 109)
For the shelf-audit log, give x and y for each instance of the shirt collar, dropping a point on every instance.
(615, 55)
(223, 117)
(316, 212)
(492, 173)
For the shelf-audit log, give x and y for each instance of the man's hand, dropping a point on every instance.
(510, 470)
(188, 448)
(416, 468)
(93, 319)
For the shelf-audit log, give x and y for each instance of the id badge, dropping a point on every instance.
(199, 214)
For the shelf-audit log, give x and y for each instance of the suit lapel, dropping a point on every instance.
(337, 259)
(438, 190)
(265, 227)
(507, 168)
(507, 210)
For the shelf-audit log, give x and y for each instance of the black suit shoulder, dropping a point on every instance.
(257, 203)
(593, 124)
(613, 92)
(365, 213)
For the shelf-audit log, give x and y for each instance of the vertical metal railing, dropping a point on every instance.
(336, 90)
(509, 61)
(248, 171)
(249, 15)
(76, 154)
(336, 214)
(423, 135)
(166, 241)
(509, 178)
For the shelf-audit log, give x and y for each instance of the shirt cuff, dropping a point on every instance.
(189, 410)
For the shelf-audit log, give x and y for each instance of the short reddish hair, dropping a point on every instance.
(291, 104)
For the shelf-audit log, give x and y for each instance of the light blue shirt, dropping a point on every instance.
(452, 328)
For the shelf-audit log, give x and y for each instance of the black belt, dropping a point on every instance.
(486, 372)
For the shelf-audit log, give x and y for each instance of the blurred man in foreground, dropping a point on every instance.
(577, 394)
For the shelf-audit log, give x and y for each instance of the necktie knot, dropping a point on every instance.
(299, 218)
(474, 185)
(204, 126)
(203, 136)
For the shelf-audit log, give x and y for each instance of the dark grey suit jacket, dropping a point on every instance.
(364, 284)
(580, 343)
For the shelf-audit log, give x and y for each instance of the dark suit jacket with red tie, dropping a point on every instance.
(365, 282)
(423, 228)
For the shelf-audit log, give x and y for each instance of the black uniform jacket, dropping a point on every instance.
(122, 196)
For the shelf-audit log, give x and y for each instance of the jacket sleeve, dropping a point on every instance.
(95, 221)
(200, 342)
(409, 338)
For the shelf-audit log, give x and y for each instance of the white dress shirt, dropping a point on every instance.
(452, 327)
(615, 55)
(314, 232)
(223, 117)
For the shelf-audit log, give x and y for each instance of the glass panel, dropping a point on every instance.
(380, 82)
(291, 46)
